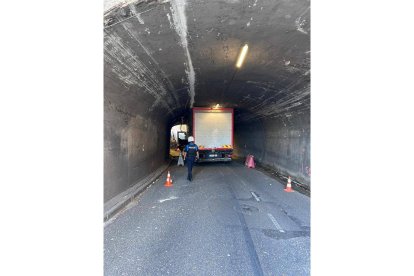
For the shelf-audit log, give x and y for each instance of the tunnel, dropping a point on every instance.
(162, 58)
(166, 60)
(92, 92)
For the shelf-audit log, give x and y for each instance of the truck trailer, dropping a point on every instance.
(213, 132)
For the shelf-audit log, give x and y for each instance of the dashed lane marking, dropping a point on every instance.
(255, 196)
(170, 198)
(278, 227)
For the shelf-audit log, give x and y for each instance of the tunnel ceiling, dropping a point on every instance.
(165, 56)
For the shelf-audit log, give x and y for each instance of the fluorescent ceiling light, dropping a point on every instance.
(242, 56)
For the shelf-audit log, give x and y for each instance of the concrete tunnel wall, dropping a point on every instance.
(281, 144)
(134, 143)
(163, 57)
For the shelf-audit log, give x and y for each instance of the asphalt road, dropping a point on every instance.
(230, 220)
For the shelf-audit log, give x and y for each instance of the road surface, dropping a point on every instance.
(230, 220)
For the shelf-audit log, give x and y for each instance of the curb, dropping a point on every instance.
(113, 206)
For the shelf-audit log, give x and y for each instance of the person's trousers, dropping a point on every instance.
(190, 164)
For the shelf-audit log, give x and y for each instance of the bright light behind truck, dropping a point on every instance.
(242, 56)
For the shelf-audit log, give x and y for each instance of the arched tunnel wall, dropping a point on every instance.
(163, 57)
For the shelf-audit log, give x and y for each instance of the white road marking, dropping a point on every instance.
(170, 198)
(278, 227)
(255, 196)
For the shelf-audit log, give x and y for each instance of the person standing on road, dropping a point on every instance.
(191, 154)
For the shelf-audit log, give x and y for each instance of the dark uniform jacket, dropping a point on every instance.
(191, 150)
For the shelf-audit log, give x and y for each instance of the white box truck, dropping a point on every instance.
(213, 132)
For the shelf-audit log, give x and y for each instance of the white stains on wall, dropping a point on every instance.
(285, 103)
(140, 20)
(109, 4)
(134, 35)
(295, 95)
(137, 14)
(293, 69)
(300, 22)
(169, 20)
(180, 26)
(129, 69)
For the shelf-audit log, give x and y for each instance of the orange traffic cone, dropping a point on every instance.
(168, 182)
(289, 186)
